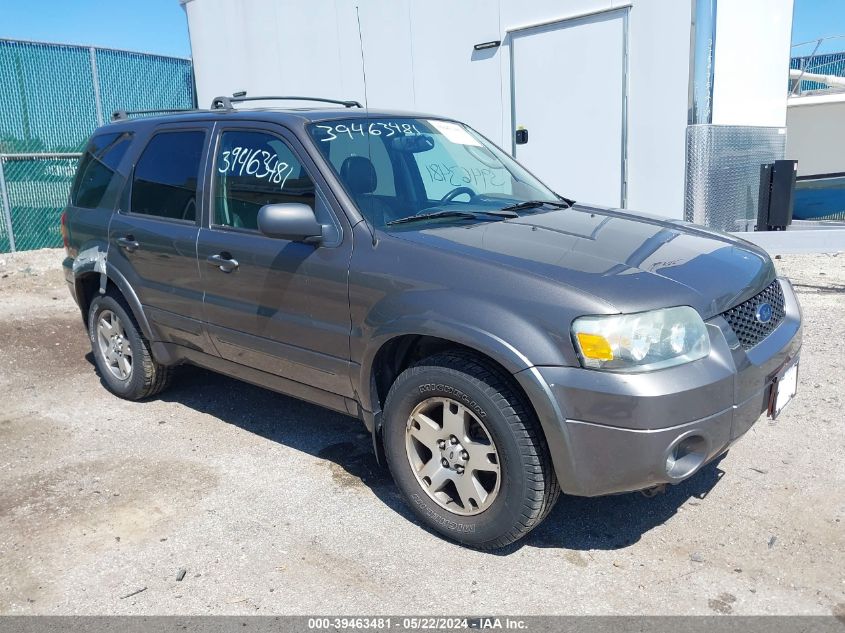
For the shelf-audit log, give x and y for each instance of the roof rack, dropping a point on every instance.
(225, 103)
(121, 115)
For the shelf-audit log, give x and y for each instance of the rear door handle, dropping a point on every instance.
(224, 262)
(128, 243)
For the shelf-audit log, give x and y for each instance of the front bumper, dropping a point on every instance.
(623, 432)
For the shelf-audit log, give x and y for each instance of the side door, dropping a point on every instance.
(152, 240)
(271, 304)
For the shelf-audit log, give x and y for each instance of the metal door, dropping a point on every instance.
(568, 90)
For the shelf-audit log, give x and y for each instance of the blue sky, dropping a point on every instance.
(152, 26)
(159, 26)
(817, 18)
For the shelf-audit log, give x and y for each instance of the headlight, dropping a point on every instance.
(641, 342)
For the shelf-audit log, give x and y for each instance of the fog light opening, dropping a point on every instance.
(686, 456)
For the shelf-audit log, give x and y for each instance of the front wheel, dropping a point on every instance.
(467, 451)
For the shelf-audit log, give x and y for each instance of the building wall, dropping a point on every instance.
(420, 57)
(816, 134)
(742, 126)
(657, 107)
(270, 46)
(752, 62)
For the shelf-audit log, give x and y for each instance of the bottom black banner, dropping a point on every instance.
(530, 624)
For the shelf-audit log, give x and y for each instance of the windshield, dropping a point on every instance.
(397, 168)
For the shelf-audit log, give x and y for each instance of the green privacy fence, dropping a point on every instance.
(52, 96)
(33, 192)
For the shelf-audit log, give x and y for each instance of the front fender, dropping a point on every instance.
(491, 345)
(489, 328)
(484, 342)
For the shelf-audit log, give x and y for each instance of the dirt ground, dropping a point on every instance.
(274, 506)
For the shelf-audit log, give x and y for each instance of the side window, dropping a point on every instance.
(254, 169)
(97, 169)
(166, 176)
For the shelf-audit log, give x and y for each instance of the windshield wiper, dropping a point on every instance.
(469, 215)
(564, 203)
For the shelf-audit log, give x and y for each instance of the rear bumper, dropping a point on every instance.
(67, 268)
(617, 432)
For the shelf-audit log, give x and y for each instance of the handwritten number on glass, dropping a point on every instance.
(260, 163)
(458, 175)
(376, 128)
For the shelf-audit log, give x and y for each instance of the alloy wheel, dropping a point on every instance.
(114, 345)
(453, 456)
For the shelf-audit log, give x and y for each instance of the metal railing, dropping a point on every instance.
(816, 64)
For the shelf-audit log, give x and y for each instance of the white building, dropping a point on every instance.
(665, 106)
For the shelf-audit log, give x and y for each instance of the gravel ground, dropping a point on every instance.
(274, 506)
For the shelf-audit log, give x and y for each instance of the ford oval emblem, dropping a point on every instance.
(763, 313)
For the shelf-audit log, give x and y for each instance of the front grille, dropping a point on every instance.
(743, 318)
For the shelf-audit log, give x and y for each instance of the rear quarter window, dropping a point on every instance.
(97, 170)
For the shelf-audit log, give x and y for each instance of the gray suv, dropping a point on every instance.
(501, 342)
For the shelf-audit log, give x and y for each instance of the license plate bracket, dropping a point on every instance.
(784, 388)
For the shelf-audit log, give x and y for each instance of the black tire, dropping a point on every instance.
(147, 377)
(527, 489)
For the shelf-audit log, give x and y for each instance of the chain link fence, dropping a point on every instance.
(34, 190)
(54, 96)
(822, 64)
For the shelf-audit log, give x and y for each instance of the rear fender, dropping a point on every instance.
(94, 261)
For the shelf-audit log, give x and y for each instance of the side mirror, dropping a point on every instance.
(290, 221)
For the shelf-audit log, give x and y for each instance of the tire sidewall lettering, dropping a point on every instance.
(455, 393)
(443, 522)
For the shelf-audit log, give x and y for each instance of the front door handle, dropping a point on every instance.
(128, 243)
(223, 261)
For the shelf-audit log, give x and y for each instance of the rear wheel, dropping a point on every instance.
(467, 451)
(121, 352)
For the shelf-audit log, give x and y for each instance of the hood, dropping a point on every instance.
(633, 262)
